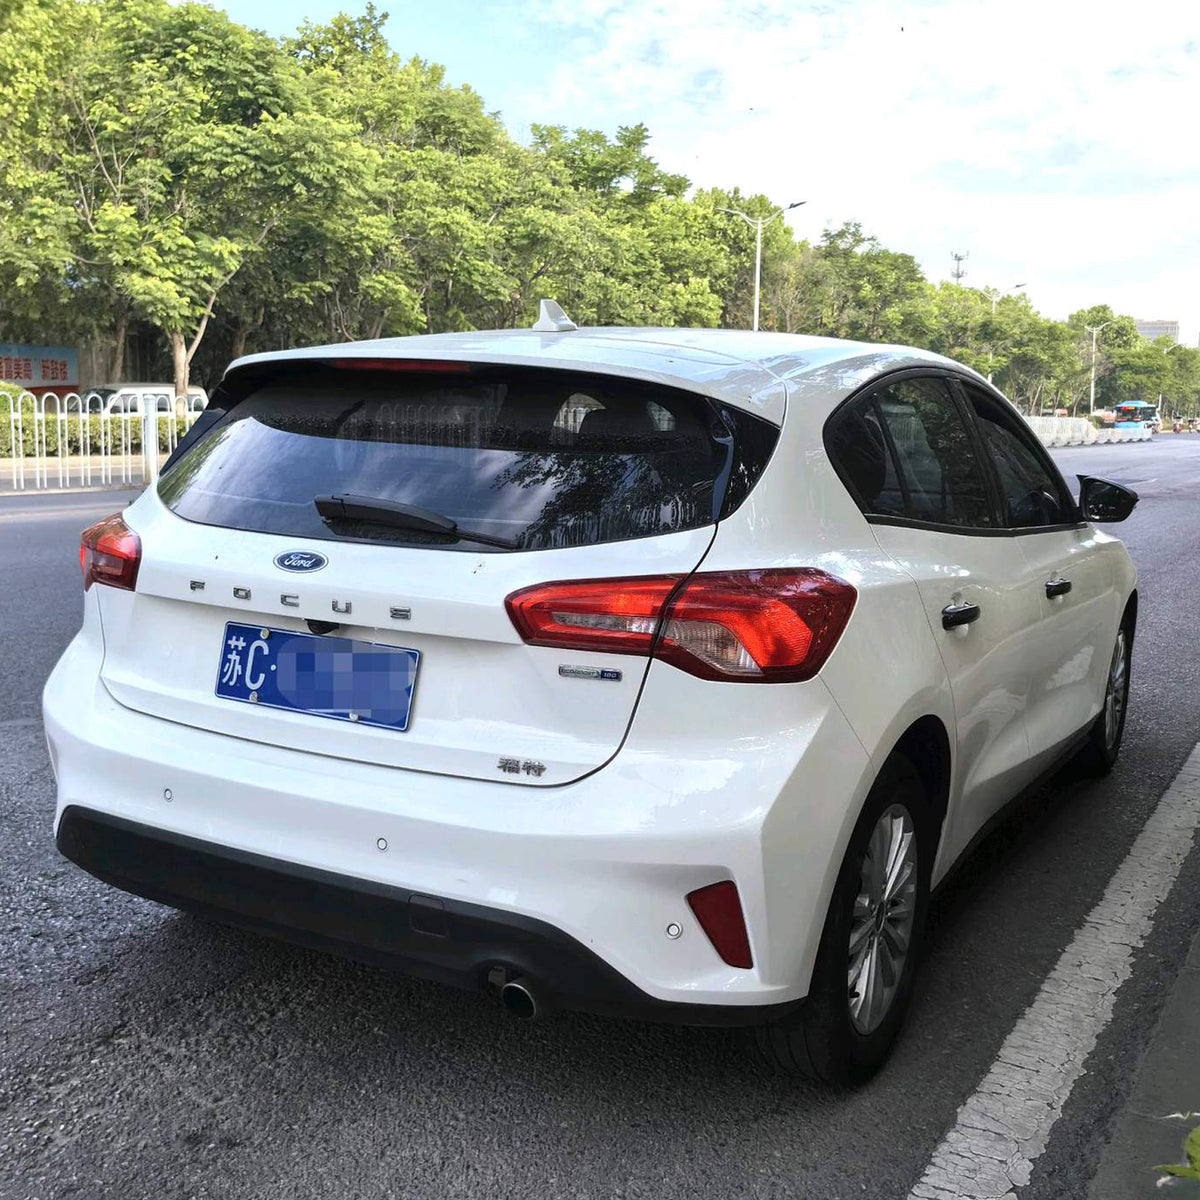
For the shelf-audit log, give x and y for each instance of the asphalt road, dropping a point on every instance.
(144, 1053)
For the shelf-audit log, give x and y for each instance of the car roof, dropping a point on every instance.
(745, 369)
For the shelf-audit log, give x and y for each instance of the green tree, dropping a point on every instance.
(1182, 391)
(617, 170)
(876, 295)
(1039, 361)
(423, 253)
(172, 170)
(41, 281)
(729, 249)
(177, 143)
(1116, 333)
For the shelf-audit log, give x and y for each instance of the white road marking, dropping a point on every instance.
(1005, 1125)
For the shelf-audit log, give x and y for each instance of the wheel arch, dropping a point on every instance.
(926, 744)
(925, 740)
(1131, 612)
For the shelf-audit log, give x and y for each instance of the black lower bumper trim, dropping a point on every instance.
(448, 941)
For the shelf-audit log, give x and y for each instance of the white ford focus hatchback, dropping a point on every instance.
(648, 672)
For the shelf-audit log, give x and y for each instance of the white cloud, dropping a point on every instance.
(1052, 139)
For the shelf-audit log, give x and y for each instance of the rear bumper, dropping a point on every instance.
(447, 941)
(598, 869)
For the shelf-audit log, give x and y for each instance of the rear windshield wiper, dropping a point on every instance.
(393, 513)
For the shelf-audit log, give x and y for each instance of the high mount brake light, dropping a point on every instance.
(772, 626)
(110, 553)
(400, 364)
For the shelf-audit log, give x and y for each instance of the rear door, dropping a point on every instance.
(1072, 576)
(925, 490)
(576, 476)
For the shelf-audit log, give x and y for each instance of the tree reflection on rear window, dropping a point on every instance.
(544, 459)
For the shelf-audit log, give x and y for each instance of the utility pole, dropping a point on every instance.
(1094, 330)
(958, 271)
(759, 223)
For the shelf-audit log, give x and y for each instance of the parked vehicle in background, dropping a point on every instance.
(656, 672)
(128, 398)
(1137, 412)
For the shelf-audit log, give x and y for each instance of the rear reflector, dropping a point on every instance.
(110, 553)
(719, 911)
(773, 626)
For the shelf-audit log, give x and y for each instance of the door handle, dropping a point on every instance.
(1057, 587)
(954, 615)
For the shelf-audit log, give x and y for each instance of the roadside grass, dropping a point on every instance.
(1188, 1170)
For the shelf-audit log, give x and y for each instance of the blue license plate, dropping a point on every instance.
(327, 676)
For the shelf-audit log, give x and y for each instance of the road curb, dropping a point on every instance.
(1002, 1129)
(1164, 1103)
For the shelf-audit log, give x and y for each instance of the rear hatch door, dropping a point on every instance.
(574, 476)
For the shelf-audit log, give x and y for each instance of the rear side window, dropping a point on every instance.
(860, 451)
(905, 451)
(534, 459)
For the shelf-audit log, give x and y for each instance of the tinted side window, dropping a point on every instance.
(753, 444)
(1033, 496)
(942, 478)
(860, 452)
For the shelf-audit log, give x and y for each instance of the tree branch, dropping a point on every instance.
(87, 125)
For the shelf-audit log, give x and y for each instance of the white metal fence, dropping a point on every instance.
(1079, 431)
(91, 446)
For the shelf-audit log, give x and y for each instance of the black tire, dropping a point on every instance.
(1103, 747)
(819, 1039)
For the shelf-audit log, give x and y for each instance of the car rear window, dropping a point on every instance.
(538, 459)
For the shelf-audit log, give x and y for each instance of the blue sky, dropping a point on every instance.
(1054, 140)
(484, 43)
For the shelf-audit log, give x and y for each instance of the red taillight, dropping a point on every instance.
(773, 626)
(110, 552)
(618, 615)
(719, 911)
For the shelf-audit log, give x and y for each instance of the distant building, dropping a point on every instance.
(1157, 329)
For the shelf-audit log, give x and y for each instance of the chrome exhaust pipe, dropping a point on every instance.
(520, 997)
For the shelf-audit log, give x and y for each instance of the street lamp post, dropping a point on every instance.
(1166, 350)
(759, 223)
(1016, 287)
(1094, 330)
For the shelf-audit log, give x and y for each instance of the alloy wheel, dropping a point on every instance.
(882, 922)
(1116, 692)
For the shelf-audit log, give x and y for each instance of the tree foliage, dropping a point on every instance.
(170, 170)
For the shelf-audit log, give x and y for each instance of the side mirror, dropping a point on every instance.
(1103, 500)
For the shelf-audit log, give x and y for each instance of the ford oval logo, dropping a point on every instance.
(300, 560)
